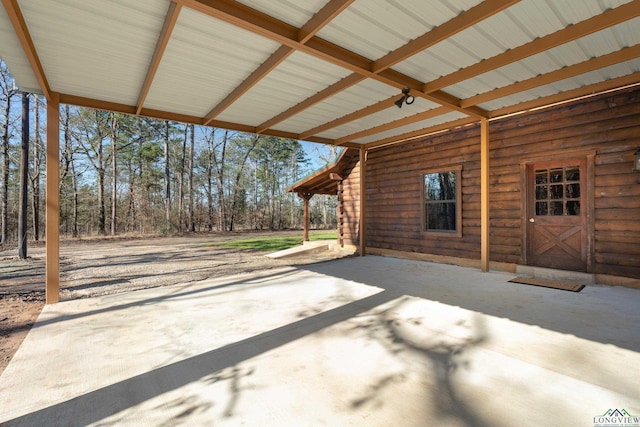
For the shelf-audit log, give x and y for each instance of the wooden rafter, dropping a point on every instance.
(422, 132)
(613, 58)
(461, 22)
(367, 111)
(572, 32)
(165, 34)
(22, 32)
(262, 24)
(315, 24)
(393, 125)
(570, 94)
(442, 32)
(318, 97)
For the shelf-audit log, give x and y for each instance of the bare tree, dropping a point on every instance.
(24, 178)
(7, 91)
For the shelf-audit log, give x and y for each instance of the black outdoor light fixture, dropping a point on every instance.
(636, 161)
(405, 98)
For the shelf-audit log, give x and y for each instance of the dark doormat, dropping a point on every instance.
(573, 287)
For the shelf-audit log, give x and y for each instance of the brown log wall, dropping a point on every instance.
(607, 126)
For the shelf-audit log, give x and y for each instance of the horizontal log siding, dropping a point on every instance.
(394, 194)
(349, 204)
(607, 126)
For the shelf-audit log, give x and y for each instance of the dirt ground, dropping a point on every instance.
(93, 267)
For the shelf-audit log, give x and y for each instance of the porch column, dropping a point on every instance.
(363, 207)
(53, 200)
(484, 195)
(306, 197)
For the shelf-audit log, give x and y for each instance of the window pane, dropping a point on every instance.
(541, 208)
(556, 175)
(441, 216)
(573, 207)
(440, 186)
(555, 208)
(572, 174)
(557, 192)
(541, 176)
(573, 191)
(541, 192)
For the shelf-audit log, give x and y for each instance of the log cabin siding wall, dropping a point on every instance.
(349, 205)
(606, 126)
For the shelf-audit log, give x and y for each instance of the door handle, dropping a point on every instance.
(532, 220)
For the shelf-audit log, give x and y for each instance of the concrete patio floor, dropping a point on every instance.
(366, 341)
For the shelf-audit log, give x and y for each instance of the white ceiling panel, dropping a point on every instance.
(195, 71)
(373, 28)
(585, 79)
(94, 51)
(14, 56)
(295, 13)
(423, 124)
(385, 116)
(293, 81)
(352, 99)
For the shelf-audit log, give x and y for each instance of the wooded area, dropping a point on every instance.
(129, 174)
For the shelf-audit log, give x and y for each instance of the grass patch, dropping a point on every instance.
(273, 244)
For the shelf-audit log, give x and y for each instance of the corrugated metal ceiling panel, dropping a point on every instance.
(352, 99)
(388, 115)
(93, 51)
(14, 57)
(423, 124)
(296, 79)
(582, 80)
(373, 28)
(593, 45)
(204, 60)
(295, 13)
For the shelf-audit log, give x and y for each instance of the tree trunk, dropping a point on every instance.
(181, 180)
(236, 184)
(24, 177)
(35, 178)
(192, 224)
(4, 214)
(167, 177)
(114, 167)
(222, 220)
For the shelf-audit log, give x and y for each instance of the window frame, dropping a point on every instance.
(457, 169)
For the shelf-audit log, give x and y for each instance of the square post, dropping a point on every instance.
(363, 207)
(53, 200)
(484, 195)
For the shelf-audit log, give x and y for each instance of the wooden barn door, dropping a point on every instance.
(556, 231)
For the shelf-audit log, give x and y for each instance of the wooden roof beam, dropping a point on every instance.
(603, 61)
(461, 22)
(315, 24)
(573, 32)
(285, 34)
(21, 30)
(163, 39)
(395, 124)
(371, 109)
(569, 95)
(421, 132)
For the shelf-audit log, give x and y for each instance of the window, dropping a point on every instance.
(442, 212)
(558, 191)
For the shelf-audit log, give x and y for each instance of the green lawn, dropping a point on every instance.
(274, 244)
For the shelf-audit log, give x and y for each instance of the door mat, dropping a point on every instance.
(565, 286)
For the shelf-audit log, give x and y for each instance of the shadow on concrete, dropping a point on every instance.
(91, 407)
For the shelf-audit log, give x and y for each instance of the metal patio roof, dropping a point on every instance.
(318, 70)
